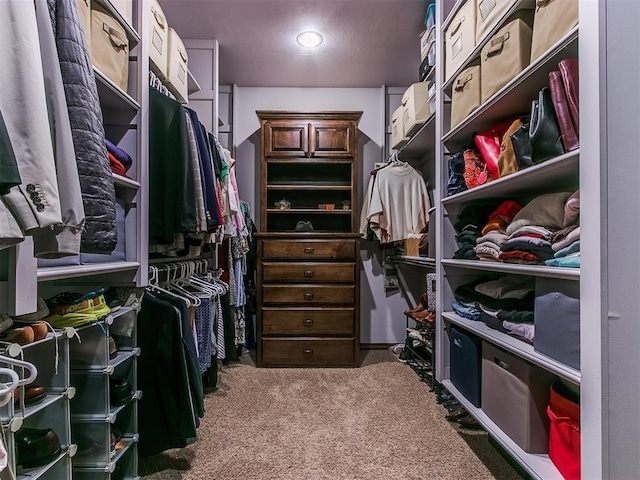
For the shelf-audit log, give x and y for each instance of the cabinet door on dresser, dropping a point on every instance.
(335, 139)
(285, 138)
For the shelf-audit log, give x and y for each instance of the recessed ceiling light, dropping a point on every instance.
(309, 39)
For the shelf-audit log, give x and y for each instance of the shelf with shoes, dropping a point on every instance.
(35, 419)
(104, 412)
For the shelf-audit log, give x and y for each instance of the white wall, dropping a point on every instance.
(381, 320)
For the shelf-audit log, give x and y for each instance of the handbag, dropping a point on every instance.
(476, 171)
(488, 143)
(558, 96)
(507, 161)
(522, 146)
(569, 71)
(544, 133)
(456, 183)
(551, 21)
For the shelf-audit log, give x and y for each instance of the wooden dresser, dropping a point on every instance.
(308, 281)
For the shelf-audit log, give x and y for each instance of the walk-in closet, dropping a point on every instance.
(319, 239)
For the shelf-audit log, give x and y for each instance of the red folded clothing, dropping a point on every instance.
(530, 257)
(507, 209)
(116, 166)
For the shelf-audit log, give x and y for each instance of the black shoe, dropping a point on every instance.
(443, 397)
(456, 414)
(119, 391)
(36, 447)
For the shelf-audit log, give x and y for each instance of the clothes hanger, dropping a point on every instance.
(31, 368)
(157, 288)
(6, 389)
(174, 285)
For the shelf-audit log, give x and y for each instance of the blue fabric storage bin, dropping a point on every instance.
(465, 361)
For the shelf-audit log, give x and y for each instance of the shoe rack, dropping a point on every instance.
(105, 428)
(51, 358)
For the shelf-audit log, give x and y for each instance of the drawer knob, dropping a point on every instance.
(309, 249)
(308, 296)
(308, 273)
(308, 322)
(308, 351)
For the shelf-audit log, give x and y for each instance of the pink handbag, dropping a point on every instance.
(488, 143)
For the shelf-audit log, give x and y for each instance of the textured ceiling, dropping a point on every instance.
(367, 43)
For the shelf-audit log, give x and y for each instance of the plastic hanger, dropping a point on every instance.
(30, 367)
(6, 389)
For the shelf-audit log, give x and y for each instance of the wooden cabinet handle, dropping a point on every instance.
(308, 296)
(308, 273)
(308, 351)
(308, 322)
(309, 249)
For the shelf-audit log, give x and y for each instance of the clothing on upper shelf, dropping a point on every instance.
(51, 110)
(85, 117)
(399, 202)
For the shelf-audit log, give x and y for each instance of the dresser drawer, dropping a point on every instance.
(309, 294)
(333, 351)
(302, 321)
(309, 249)
(308, 272)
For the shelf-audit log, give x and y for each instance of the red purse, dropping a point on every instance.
(475, 169)
(488, 143)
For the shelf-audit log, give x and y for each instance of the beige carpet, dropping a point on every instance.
(375, 422)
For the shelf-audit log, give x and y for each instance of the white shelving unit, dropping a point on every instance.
(559, 174)
(51, 412)
(126, 125)
(610, 415)
(95, 417)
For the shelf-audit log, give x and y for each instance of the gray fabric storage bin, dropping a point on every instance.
(515, 394)
(557, 320)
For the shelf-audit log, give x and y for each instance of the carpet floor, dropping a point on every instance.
(378, 421)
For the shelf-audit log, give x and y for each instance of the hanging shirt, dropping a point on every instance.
(399, 203)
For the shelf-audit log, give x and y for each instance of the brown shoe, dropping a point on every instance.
(32, 394)
(424, 316)
(40, 330)
(422, 305)
(19, 335)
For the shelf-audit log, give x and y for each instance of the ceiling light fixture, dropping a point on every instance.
(309, 39)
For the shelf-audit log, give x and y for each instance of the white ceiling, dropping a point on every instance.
(367, 43)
